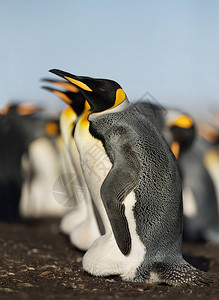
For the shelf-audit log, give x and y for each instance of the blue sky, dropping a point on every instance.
(169, 48)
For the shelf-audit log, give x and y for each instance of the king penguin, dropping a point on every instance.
(210, 134)
(40, 169)
(21, 127)
(198, 163)
(198, 166)
(80, 222)
(137, 190)
(176, 126)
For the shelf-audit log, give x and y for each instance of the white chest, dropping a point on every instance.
(95, 165)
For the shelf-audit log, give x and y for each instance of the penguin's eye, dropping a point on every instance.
(102, 90)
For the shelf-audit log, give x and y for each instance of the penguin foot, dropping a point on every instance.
(84, 234)
(178, 274)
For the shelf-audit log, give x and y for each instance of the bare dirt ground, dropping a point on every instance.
(38, 262)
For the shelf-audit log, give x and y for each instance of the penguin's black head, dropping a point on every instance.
(75, 99)
(182, 130)
(101, 94)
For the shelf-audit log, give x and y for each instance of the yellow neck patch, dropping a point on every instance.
(86, 106)
(80, 84)
(69, 113)
(63, 96)
(83, 121)
(183, 121)
(175, 147)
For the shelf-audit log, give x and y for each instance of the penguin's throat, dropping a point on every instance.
(122, 106)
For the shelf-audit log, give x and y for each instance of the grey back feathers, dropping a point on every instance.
(140, 139)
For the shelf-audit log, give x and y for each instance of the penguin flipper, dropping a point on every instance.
(120, 181)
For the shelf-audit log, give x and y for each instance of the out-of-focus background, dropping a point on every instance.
(169, 48)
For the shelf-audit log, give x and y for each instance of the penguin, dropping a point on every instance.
(67, 119)
(41, 168)
(210, 133)
(80, 222)
(182, 128)
(199, 170)
(18, 129)
(176, 126)
(34, 161)
(137, 190)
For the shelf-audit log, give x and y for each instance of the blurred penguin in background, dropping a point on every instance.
(21, 125)
(200, 169)
(176, 126)
(210, 133)
(77, 209)
(41, 171)
(80, 222)
(198, 162)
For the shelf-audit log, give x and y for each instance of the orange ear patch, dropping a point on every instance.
(120, 97)
(25, 109)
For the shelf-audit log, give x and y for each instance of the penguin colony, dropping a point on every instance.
(135, 188)
(129, 165)
(28, 163)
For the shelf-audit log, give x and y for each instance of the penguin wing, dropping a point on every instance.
(120, 181)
